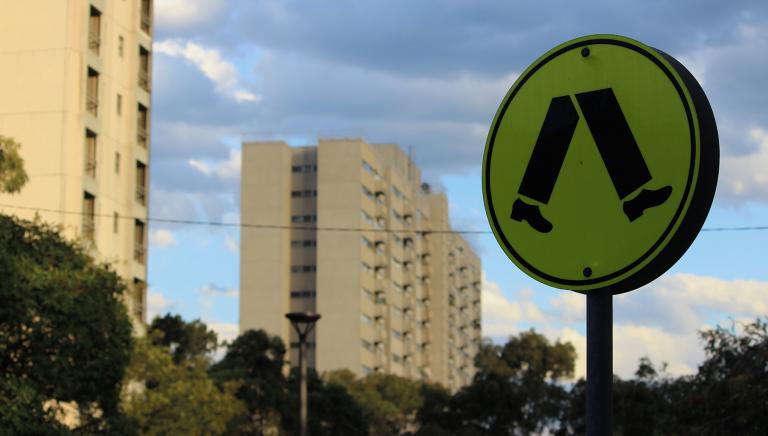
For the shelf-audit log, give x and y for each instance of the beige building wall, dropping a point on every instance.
(75, 93)
(383, 271)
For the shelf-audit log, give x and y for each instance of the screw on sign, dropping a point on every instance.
(599, 170)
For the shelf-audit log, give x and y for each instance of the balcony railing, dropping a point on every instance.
(90, 167)
(94, 42)
(141, 136)
(89, 228)
(92, 104)
(146, 22)
(141, 194)
(140, 254)
(144, 80)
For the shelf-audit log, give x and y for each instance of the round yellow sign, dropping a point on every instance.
(600, 165)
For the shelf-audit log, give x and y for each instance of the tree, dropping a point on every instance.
(176, 399)
(12, 173)
(389, 402)
(332, 410)
(65, 335)
(185, 340)
(256, 359)
(516, 389)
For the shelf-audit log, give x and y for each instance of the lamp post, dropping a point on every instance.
(303, 323)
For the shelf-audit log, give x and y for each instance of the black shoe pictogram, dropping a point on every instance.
(646, 199)
(522, 211)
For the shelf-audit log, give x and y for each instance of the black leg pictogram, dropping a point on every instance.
(615, 142)
(546, 161)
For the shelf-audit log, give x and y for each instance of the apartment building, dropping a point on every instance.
(347, 229)
(75, 86)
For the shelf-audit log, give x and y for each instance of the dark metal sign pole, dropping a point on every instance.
(599, 363)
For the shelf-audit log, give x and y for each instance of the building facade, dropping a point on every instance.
(75, 93)
(346, 229)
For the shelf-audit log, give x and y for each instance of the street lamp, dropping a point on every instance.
(303, 323)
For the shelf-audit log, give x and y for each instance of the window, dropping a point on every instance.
(303, 268)
(139, 292)
(92, 92)
(144, 68)
(303, 294)
(142, 124)
(397, 215)
(146, 16)
(396, 311)
(115, 222)
(303, 218)
(366, 242)
(306, 168)
(141, 183)
(396, 358)
(303, 243)
(366, 370)
(139, 242)
(90, 153)
(367, 293)
(367, 268)
(120, 45)
(367, 218)
(366, 319)
(94, 30)
(367, 192)
(119, 104)
(307, 193)
(89, 216)
(117, 162)
(367, 345)
(370, 170)
(397, 262)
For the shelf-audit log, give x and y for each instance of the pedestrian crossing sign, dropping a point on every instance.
(600, 165)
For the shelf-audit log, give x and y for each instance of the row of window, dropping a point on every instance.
(307, 193)
(303, 218)
(303, 268)
(303, 243)
(306, 168)
(304, 294)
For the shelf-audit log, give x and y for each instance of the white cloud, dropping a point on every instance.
(162, 238)
(745, 177)
(186, 13)
(227, 170)
(209, 61)
(225, 331)
(502, 317)
(157, 304)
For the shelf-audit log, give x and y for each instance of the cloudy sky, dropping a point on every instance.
(430, 75)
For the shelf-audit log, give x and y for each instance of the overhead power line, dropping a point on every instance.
(313, 228)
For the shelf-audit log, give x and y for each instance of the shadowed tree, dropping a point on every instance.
(65, 335)
(185, 340)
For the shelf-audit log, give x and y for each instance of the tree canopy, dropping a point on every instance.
(65, 335)
(12, 173)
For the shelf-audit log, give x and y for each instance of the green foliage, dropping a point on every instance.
(256, 359)
(332, 410)
(176, 399)
(186, 340)
(12, 173)
(389, 402)
(64, 331)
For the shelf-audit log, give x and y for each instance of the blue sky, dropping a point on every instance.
(430, 75)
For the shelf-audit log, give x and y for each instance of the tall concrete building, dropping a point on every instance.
(347, 229)
(75, 92)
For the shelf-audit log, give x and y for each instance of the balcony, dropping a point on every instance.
(144, 80)
(141, 136)
(141, 195)
(140, 254)
(90, 168)
(92, 104)
(94, 42)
